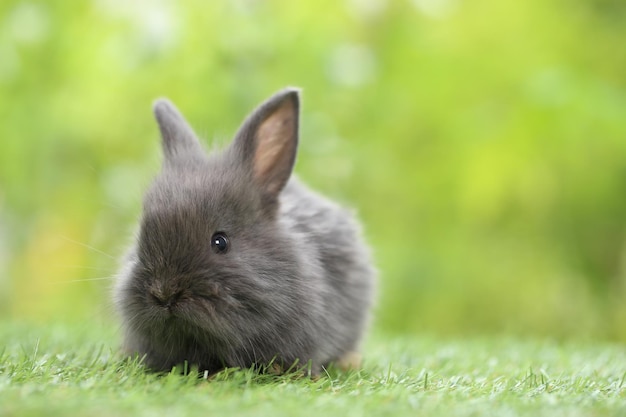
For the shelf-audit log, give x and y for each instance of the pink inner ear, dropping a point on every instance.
(275, 151)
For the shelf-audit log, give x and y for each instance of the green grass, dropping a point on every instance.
(75, 370)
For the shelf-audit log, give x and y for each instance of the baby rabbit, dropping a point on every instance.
(237, 263)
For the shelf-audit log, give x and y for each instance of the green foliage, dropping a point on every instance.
(483, 143)
(72, 370)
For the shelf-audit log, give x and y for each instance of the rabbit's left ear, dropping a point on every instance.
(178, 138)
(268, 140)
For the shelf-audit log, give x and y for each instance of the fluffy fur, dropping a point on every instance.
(296, 284)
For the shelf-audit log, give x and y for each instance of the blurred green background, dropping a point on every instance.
(482, 142)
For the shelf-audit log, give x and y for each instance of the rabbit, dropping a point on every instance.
(236, 262)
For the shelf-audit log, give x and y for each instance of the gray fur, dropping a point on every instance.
(297, 282)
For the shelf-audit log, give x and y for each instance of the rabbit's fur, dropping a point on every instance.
(295, 284)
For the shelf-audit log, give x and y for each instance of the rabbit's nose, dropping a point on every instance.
(164, 298)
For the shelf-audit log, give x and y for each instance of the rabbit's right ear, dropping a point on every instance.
(178, 138)
(268, 139)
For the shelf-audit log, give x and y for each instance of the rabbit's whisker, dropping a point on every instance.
(83, 280)
(88, 247)
(94, 268)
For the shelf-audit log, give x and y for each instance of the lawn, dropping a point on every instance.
(60, 370)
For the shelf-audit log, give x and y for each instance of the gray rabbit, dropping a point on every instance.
(237, 263)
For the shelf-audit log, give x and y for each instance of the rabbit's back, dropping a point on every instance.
(332, 239)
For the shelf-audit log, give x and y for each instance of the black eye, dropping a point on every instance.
(219, 242)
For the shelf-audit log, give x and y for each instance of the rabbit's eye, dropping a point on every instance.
(219, 242)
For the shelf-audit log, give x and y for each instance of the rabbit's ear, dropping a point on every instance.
(178, 138)
(268, 140)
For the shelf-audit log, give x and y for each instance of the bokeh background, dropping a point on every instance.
(482, 142)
